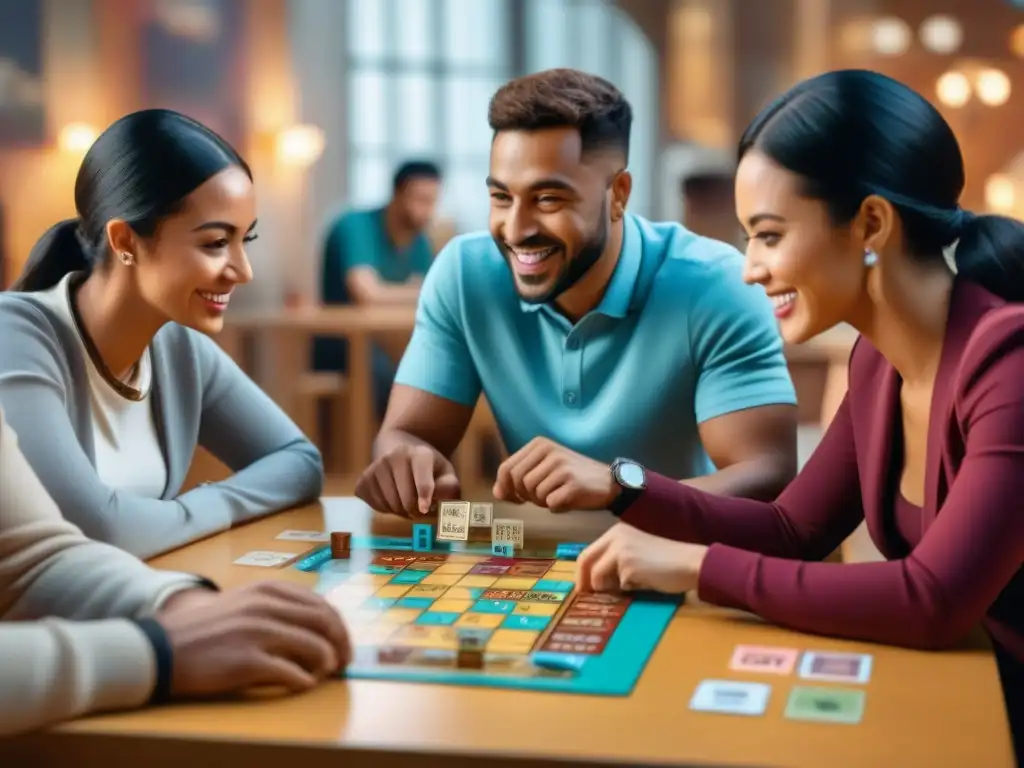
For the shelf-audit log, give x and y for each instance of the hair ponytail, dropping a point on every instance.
(990, 252)
(57, 253)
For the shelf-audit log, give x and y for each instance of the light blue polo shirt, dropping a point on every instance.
(678, 339)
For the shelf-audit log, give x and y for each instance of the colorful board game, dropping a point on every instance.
(411, 612)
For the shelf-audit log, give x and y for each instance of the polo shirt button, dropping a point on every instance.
(573, 343)
(570, 397)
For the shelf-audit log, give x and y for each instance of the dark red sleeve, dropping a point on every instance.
(809, 520)
(930, 599)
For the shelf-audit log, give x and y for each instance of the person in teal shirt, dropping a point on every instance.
(380, 256)
(594, 334)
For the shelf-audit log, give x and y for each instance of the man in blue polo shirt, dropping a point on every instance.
(593, 333)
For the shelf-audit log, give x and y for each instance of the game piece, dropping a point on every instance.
(503, 548)
(262, 558)
(453, 520)
(480, 514)
(730, 697)
(469, 616)
(302, 536)
(569, 551)
(508, 530)
(422, 537)
(755, 658)
(828, 705)
(836, 667)
(340, 544)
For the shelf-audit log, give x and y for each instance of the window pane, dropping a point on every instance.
(415, 40)
(367, 28)
(639, 83)
(465, 194)
(465, 102)
(590, 49)
(369, 178)
(415, 128)
(547, 26)
(476, 32)
(368, 108)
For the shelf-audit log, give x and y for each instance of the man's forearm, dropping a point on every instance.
(762, 478)
(390, 439)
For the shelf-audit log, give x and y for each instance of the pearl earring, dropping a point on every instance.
(126, 257)
(870, 257)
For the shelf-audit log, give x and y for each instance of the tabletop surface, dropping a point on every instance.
(933, 709)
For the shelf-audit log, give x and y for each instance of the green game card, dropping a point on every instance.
(829, 705)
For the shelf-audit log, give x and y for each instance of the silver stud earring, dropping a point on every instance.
(870, 257)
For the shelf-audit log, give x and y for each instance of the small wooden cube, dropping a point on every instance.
(503, 548)
(422, 537)
(341, 545)
(469, 660)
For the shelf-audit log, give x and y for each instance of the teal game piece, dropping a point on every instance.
(422, 537)
(569, 551)
(503, 548)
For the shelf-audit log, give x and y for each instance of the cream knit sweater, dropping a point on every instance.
(68, 646)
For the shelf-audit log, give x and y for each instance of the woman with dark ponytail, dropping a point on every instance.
(849, 189)
(107, 371)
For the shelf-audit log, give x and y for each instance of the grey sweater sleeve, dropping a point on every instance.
(66, 642)
(276, 466)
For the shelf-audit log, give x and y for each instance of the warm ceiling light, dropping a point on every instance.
(993, 87)
(77, 137)
(941, 34)
(300, 145)
(1000, 193)
(953, 89)
(890, 36)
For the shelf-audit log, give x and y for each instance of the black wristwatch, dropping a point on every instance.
(631, 478)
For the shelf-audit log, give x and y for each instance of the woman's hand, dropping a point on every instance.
(626, 559)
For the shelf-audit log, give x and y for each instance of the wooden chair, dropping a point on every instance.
(311, 389)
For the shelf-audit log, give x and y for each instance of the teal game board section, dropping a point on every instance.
(406, 608)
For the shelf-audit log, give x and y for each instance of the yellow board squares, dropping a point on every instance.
(507, 613)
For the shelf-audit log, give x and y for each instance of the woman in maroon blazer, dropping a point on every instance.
(848, 188)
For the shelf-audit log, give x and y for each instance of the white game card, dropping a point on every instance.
(262, 558)
(508, 530)
(303, 536)
(480, 514)
(453, 520)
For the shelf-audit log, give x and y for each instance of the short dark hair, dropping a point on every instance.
(140, 170)
(853, 133)
(414, 169)
(565, 98)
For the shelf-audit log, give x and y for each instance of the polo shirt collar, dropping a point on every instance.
(619, 295)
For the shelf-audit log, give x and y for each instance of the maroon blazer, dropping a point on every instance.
(965, 568)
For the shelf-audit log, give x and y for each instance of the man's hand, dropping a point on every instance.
(407, 480)
(549, 475)
(269, 634)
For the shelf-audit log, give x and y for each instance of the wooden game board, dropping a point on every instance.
(405, 610)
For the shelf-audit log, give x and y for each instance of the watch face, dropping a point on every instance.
(631, 475)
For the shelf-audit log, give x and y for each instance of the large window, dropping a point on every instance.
(421, 74)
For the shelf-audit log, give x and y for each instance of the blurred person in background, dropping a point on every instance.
(379, 256)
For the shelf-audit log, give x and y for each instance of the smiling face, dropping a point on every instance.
(189, 268)
(813, 271)
(549, 209)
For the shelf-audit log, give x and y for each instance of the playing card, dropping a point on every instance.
(729, 697)
(831, 705)
(508, 530)
(453, 520)
(303, 536)
(262, 558)
(836, 667)
(480, 514)
(764, 659)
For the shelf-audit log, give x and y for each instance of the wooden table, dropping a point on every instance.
(923, 709)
